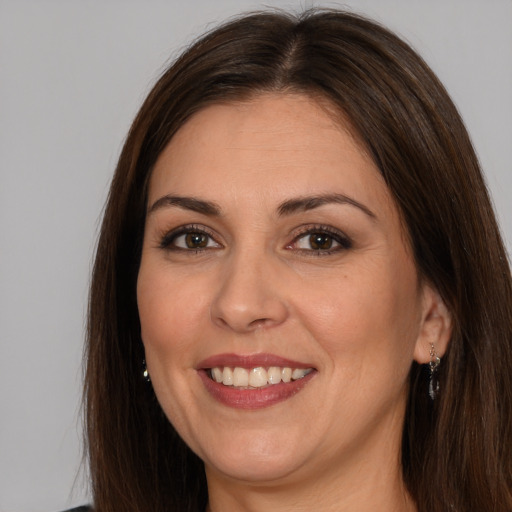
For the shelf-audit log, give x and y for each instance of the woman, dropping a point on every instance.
(299, 244)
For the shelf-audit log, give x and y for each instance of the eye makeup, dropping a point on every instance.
(320, 240)
(189, 237)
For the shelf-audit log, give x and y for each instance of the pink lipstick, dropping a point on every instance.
(253, 381)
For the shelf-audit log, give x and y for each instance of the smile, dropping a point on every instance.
(253, 381)
(258, 377)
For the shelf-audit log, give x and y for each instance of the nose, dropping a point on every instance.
(249, 296)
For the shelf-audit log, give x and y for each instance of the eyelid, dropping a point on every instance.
(343, 242)
(166, 241)
(337, 235)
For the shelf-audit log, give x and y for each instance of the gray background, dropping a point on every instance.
(72, 75)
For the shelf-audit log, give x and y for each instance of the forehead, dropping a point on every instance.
(271, 139)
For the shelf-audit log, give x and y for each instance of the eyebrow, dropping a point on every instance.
(289, 207)
(306, 203)
(187, 203)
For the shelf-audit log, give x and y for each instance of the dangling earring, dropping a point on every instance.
(433, 385)
(145, 373)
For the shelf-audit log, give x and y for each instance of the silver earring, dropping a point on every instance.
(145, 373)
(433, 384)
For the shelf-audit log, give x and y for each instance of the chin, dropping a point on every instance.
(251, 469)
(259, 459)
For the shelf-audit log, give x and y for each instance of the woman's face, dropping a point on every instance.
(272, 247)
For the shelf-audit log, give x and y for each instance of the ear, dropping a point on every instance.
(435, 327)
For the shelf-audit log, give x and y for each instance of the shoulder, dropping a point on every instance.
(84, 508)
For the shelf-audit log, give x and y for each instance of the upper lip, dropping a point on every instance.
(250, 361)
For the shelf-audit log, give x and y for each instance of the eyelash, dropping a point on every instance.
(168, 240)
(336, 236)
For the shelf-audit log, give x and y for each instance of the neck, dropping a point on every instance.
(364, 489)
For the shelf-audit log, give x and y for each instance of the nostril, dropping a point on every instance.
(247, 299)
(260, 322)
(248, 319)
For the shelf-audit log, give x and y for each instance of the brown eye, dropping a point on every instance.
(196, 240)
(316, 242)
(320, 241)
(189, 240)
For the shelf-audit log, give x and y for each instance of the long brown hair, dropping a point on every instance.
(456, 450)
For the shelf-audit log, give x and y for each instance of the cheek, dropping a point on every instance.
(367, 319)
(170, 312)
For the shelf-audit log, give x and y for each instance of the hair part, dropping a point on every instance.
(456, 452)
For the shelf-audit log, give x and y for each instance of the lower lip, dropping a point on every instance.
(256, 398)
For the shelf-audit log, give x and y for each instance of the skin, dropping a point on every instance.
(358, 313)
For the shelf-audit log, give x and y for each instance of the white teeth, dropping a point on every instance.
(298, 373)
(217, 374)
(286, 374)
(227, 376)
(256, 377)
(274, 375)
(240, 377)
